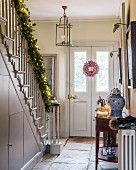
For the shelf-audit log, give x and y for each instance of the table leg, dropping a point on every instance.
(112, 139)
(97, 149)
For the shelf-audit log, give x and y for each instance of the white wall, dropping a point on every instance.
(95, 31)
(83, 31)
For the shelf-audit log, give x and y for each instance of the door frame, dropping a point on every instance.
(115, 45)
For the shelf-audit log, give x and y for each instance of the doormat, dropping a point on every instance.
(87, 140)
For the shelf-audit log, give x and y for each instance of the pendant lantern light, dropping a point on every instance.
(63, 30)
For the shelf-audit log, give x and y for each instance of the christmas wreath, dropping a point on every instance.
(90, 68)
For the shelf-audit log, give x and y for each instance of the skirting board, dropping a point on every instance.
(32, 162)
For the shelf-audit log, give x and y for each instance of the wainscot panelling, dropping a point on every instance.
(16, 141)
(14, 103)
(4, 83)
(3, 69)
(30, 145)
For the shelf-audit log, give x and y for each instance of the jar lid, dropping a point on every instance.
(115, 91)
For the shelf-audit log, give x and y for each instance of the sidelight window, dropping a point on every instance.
(79, 77)
(102, 80)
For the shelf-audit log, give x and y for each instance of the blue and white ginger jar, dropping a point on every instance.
(116, 102)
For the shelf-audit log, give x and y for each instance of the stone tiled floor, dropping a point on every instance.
(77, 154)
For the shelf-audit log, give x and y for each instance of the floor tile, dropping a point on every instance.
(108, 166)
(74, 156)
(77, 146)
(49, 158)
(43, 166)
(65, 166)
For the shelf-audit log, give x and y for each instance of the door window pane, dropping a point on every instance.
(79, 77)
(102, 80)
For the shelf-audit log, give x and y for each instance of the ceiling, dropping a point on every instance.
(77, 9)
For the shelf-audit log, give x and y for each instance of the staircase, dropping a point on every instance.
(17, 61)
(15, 58)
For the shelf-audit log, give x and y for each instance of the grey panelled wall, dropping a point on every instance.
(4, 85)
(14, 105)
(3, 70)
(30, 146)
(17, 142)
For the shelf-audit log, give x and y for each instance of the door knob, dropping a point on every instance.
(71, 96)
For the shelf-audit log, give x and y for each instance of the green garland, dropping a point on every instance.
(36, 59)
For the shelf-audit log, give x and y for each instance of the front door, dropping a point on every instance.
(85, 91)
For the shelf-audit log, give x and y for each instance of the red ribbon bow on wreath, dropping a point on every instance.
(90, 68)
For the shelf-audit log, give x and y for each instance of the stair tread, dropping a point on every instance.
(26, 85)
(34, 108)
(29, 98)
(37, 118)
(3, 19)
(43, 136)
(14, 56)
(41, 127)
(8, 38)
(20, 72)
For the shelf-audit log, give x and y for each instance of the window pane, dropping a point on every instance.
(102, 82)
(79, 77)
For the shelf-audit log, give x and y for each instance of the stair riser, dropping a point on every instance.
(30, 103)
(15, 63)
(8, 44)
(21, 77)
(2, 27)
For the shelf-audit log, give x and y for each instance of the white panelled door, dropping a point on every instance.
(85, 91)
(80, 117)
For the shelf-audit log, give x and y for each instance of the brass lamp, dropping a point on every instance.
(63, 30)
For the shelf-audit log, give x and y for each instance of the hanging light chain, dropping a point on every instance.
(64, 16)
